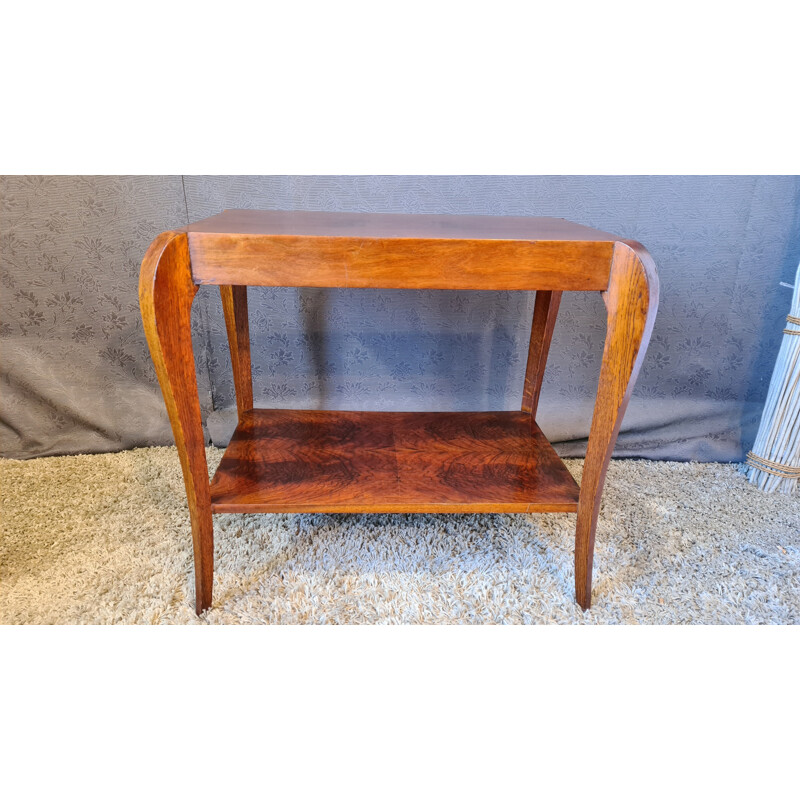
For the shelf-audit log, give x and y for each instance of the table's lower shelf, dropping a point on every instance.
(361, 461)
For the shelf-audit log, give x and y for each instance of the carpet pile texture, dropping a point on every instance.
(106, 539)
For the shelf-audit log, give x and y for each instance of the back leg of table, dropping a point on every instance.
(631, 302)
(234, 306)
(545, 311)
(166, 292)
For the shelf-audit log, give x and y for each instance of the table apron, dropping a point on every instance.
(347, 262)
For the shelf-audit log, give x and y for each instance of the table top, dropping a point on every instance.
(398, 251)
(396, 226)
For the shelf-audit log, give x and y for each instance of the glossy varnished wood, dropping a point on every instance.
(631, 301)
(398, 251)
(234, 307)
(166, 292)
(287, 460)
(545, 311)
(379, 461)
(479, 461)
(476, 227)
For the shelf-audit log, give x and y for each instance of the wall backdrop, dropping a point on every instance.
(76, 376)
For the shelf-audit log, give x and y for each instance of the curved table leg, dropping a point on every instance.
(166, 292)
(631, 300)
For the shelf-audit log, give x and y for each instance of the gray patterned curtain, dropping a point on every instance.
(75, 375)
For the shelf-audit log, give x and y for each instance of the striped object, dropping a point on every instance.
(774, 462)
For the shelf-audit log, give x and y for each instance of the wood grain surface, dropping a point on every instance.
(399, 263)
(234, 307)
(632, 302)
(393, 226)
(166, 292)
(337, 461)
(286, 460)
(398, 251)
(545, 311)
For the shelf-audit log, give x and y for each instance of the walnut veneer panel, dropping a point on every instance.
(354, 461)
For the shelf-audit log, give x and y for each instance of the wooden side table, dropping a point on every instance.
(353, 461)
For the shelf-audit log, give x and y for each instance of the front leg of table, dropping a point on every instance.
(166, 292)
(631, 301)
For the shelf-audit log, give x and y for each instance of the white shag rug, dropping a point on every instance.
(106, 539)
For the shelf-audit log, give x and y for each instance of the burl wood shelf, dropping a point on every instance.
(358, 461)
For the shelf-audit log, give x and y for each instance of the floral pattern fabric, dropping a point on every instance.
(76, 376)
